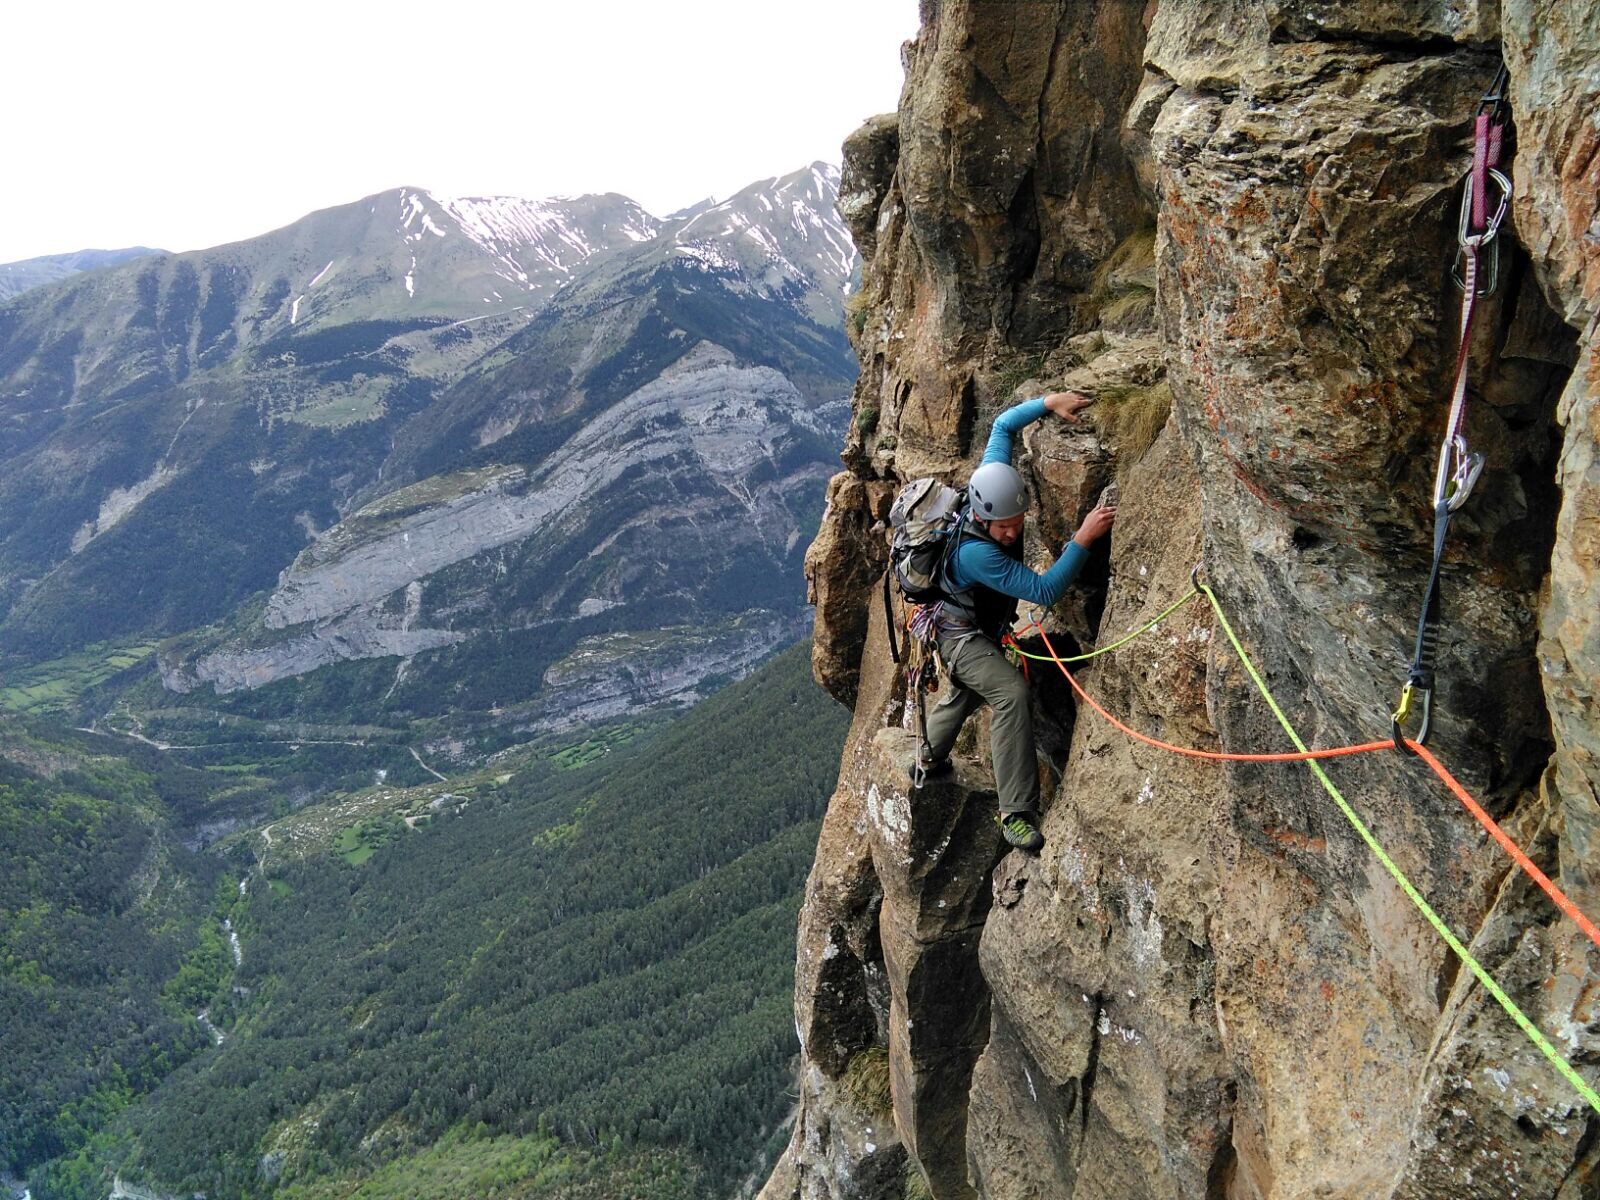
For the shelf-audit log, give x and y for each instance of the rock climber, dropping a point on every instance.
(986, 578)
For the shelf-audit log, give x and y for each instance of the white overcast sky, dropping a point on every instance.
(181, 124)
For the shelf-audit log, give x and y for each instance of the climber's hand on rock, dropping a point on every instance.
(1067, 405)
(1095, 526)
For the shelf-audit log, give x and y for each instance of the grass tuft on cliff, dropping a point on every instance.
(1133, 418)
(866, 1081)
(1123, 290)
(857, 306)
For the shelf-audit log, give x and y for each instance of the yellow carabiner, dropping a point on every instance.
(1422, 697)
(1403, 713)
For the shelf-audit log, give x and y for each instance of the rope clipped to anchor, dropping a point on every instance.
(1477, 273)
(1310, 757)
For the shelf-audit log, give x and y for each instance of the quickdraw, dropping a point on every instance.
(1459, 468)
(924, 670)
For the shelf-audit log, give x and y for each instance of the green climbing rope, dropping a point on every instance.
(1483, 977)
(1122, 641)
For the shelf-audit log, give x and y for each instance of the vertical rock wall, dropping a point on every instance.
(1206, 986)
(1551, 51)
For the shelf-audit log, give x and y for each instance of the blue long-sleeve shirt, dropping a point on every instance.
(980, 562)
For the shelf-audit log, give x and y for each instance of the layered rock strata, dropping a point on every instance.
(1206, 985)
(731, 422)
(709, 445)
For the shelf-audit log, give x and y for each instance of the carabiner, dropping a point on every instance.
(1494, 99)
(1465, 234)
(1481, 243)
(1469, 467)
(1402, 714)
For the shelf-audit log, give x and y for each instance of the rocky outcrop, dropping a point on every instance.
(709, 444)
(1206, 986)
(842, 562)
(730, 421)
(610, 677)
(1551, 54)
(365, 633)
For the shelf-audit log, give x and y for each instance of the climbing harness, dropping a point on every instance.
(1477, 273)
(1310, 757)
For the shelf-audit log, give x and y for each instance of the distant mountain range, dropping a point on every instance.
(386, 545)
(456, 469)
(18, 277)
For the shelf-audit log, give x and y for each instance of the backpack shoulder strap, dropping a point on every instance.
(964, 532)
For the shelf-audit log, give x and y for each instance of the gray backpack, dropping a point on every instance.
(925, 514)
(922, 525)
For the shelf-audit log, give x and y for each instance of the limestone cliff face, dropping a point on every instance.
(730, 441)
(1206, 986)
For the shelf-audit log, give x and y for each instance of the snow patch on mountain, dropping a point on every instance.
(709, 254)
(791, 218)
(550, 233)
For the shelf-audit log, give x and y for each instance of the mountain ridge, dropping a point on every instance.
(250, 408)
(24, 274)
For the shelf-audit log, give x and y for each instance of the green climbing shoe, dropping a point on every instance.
(1021, 829)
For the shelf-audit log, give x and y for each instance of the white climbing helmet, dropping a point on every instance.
(997, 492)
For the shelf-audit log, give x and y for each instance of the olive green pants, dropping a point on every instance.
(981, 674)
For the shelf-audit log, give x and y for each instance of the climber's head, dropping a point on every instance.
(1008, 531)
(999, 499)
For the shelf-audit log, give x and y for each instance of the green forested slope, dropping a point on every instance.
(101, 911)
(583, 967)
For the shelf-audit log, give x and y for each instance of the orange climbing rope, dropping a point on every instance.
(1189, 751)
(1557, 896)
(1518, 1017)
(1506, 844)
